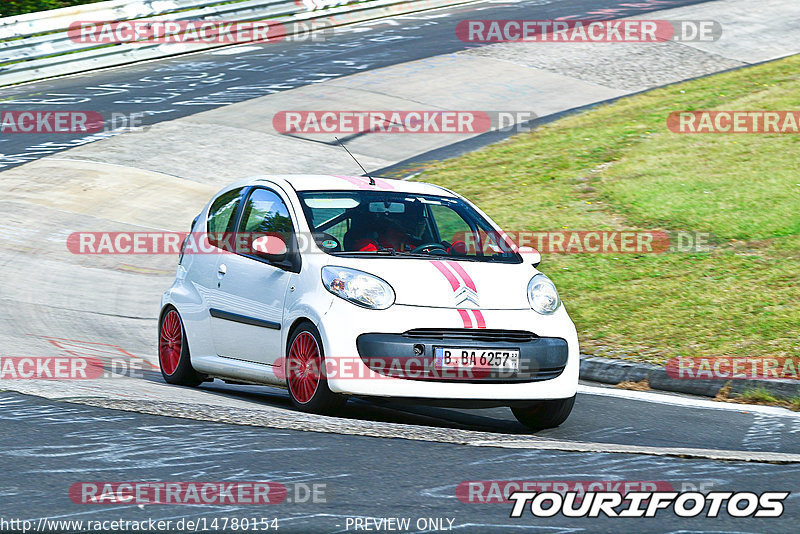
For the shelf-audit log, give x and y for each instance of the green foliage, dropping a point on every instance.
(17, 7)
(618, 167)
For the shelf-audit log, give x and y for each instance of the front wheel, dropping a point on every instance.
(173, 351)
(305, 376)
(544, 414)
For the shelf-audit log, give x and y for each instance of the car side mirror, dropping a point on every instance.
(530, 255)
(270, 247)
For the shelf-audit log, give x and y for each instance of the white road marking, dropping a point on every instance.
(689, 402)
(764, 434)
(235, 50)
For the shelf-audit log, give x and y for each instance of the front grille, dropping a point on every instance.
(481, 335)
(540, 358)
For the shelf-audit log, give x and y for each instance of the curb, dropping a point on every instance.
(611, 371)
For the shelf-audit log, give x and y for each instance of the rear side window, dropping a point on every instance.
(222, 215)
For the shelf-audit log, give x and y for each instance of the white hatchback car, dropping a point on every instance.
(337, 286)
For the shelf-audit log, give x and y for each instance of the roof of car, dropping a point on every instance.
(323, 182)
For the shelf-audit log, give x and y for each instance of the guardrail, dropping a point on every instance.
(35, 46)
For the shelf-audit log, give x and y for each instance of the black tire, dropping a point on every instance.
(183, 373)
(544, 414)
(322, 401)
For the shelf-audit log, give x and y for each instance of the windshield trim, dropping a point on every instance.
(509, 260)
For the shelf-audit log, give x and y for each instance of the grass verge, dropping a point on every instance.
(758, 396)
(618, 167)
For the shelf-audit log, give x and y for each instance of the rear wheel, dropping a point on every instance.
(173, 351)
(544, 414)
(308, 387)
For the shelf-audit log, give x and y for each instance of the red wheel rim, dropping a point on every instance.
(303, 367)
(170, 342)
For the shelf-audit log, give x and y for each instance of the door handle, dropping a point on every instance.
(222, 269)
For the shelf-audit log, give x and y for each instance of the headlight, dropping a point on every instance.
(542, 295)
(358, 287)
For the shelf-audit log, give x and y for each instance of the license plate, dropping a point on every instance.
(472, 358)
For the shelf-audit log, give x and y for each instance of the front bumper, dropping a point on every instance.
(411, 355)
(550, 371)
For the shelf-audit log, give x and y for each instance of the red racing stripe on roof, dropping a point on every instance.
(362, 182)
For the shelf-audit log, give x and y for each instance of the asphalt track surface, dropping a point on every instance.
(47, 445)
(171, 88)
(364, 477)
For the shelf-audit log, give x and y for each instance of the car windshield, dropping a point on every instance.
(384, 223)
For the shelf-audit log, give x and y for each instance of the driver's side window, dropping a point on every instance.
(265, 217)
(266, 212)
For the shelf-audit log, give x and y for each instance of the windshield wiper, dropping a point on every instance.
(478, 259)
(422, 255)
(380, 252)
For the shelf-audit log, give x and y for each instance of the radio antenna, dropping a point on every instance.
(371, 179)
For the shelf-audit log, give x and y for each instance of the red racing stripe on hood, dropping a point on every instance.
(454, 283)
(466, 318)
(479, 318)
(463, 274)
